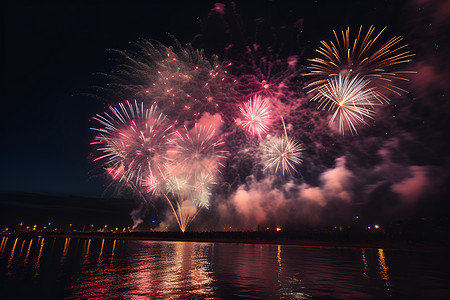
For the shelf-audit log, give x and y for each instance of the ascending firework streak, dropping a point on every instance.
(350, 98)
(282, 153)
(183, 191)
(256, 116)
(198, 154)
(362, 57)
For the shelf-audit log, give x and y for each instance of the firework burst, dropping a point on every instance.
(366, 56)
(181, 80)
(281, 154)
(198, 151)
(133, 142)
(350, 99)
(256, 116)
(196, 157)
(267, 75)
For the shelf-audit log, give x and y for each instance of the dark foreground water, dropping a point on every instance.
(55, 268)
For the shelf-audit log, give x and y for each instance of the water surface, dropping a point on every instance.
(55, 268)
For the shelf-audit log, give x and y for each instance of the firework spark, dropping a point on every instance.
(201, 190)
(133, 142)
(261, 72)
(282, 154)
(187, 196)
(256, 116)
(363, 56)
(197, 155)
(180, 190)
(181, 80)
(351, 100)
(198, 151)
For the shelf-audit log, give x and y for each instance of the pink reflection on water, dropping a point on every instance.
(157, 270)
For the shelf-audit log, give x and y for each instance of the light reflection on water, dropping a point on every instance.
(107, 268)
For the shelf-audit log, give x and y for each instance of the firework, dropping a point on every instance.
(201, 189)
(198, 150)
(365, 56)
(267, 75)
(187, 196)
(350, 99)
(197, 155)
(282, 153)
(181, 80)
(176, 185)
(133, 143)
(180, 191)
(256, 116)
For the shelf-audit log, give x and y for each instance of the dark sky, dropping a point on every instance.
(50, 51)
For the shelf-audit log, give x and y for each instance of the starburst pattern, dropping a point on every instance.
(350, 99)
(256, 116)
(366, 56)
(133, 142)
(198, 150)
(282, 154)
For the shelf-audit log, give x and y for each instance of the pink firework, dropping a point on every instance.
(181, 80)
(198, 150)
(132, 143)
(256, 116)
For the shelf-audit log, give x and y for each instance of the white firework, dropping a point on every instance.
(350, 99)
(282, 154)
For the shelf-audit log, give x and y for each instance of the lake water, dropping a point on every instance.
(56, 268)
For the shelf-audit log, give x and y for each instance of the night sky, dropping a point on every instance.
(397, 166)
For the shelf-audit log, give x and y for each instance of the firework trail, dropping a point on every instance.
(266, 74)
(133, 143)
(256, 116)
(188, 196)
(198, 155)
(351, 100)
(366, 56)
(177, 187)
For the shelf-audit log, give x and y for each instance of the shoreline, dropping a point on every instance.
(171, 237)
